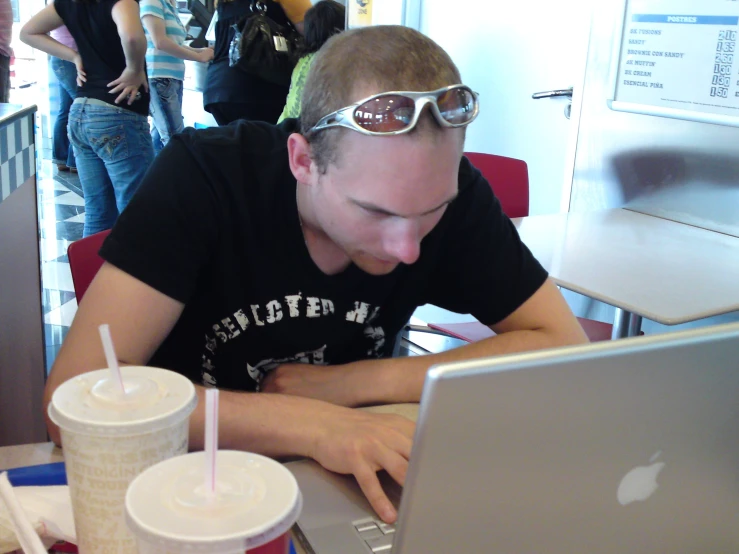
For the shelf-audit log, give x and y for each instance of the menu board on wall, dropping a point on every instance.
(678, 58)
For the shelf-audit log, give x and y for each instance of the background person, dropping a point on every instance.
(325, 19)
(231, 93)
(108, 120)
(62, 153)
(165, 55)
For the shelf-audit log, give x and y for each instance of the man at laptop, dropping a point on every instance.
(285, 259)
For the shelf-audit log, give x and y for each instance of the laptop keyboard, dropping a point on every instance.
(376, 534)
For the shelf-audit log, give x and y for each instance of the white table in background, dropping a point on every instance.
(643, 265)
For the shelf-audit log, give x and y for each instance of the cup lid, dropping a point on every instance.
(91, 403)
(257, 500)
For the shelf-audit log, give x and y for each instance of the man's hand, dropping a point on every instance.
(362, 383)
(362, 444)
(128, 85)
(342, 440)
(320, 382)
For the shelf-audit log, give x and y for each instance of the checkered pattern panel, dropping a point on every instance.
(17, 154)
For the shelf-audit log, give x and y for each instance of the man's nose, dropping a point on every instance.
(404, 241)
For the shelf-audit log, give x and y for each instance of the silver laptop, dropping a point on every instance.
(626, 446)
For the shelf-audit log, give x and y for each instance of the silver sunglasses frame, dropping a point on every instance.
(343, 117)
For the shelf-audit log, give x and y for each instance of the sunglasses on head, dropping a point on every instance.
(398, 112)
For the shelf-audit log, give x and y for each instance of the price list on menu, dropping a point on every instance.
(679, 58)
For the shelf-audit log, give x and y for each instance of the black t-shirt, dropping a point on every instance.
(96, 34)
(231, 84)
(215, 226)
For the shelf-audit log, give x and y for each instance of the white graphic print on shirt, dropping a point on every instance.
(293, 306)
(259, 371)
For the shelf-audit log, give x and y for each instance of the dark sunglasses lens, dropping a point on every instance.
(457, 105)
(385, 114)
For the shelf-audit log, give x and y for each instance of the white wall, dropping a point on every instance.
(506, 51)
(27, 9)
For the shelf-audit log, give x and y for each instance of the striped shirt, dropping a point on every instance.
(159, 64)
(6, 27)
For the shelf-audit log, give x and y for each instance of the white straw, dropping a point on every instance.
(110, 356)
(27, 536)
(211, 440)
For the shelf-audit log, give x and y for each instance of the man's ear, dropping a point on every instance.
(301, 163)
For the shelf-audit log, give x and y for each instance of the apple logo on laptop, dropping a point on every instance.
(640, 483)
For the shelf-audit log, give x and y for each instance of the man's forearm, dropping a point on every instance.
(270, 424)
(400, 380)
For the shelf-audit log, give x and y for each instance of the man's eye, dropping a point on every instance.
(374, 213)
(436, 211)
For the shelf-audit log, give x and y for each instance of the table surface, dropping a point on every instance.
(665, 271)
(44, 453)
(29, 455)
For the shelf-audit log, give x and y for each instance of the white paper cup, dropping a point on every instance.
(256, 503)
(108, 439)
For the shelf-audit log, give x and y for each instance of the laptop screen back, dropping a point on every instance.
(627, 446)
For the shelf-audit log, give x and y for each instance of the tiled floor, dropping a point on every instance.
(61, 212)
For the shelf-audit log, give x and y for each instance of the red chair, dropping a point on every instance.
(509, 179)
(84, 261)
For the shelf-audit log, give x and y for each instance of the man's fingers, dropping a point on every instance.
(395, 464)
(407, 428)
(116, 83)
(397, 467)
(117, 89)
(401, 441)
(399, 423)
(399, 445)
(370, 485)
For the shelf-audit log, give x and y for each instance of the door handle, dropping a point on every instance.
(553, 93)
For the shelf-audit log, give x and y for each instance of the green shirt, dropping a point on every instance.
(297, 82)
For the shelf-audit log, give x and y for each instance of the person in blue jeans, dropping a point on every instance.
(62, 152)
(108, 121)
(166, 110)
(114, 150)
(165, 52)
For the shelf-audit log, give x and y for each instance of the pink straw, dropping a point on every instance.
(110, 356)
(211, 440)
(27, 536)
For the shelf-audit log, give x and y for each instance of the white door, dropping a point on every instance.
(506, 51)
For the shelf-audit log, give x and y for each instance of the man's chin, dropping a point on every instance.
(374, 266)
